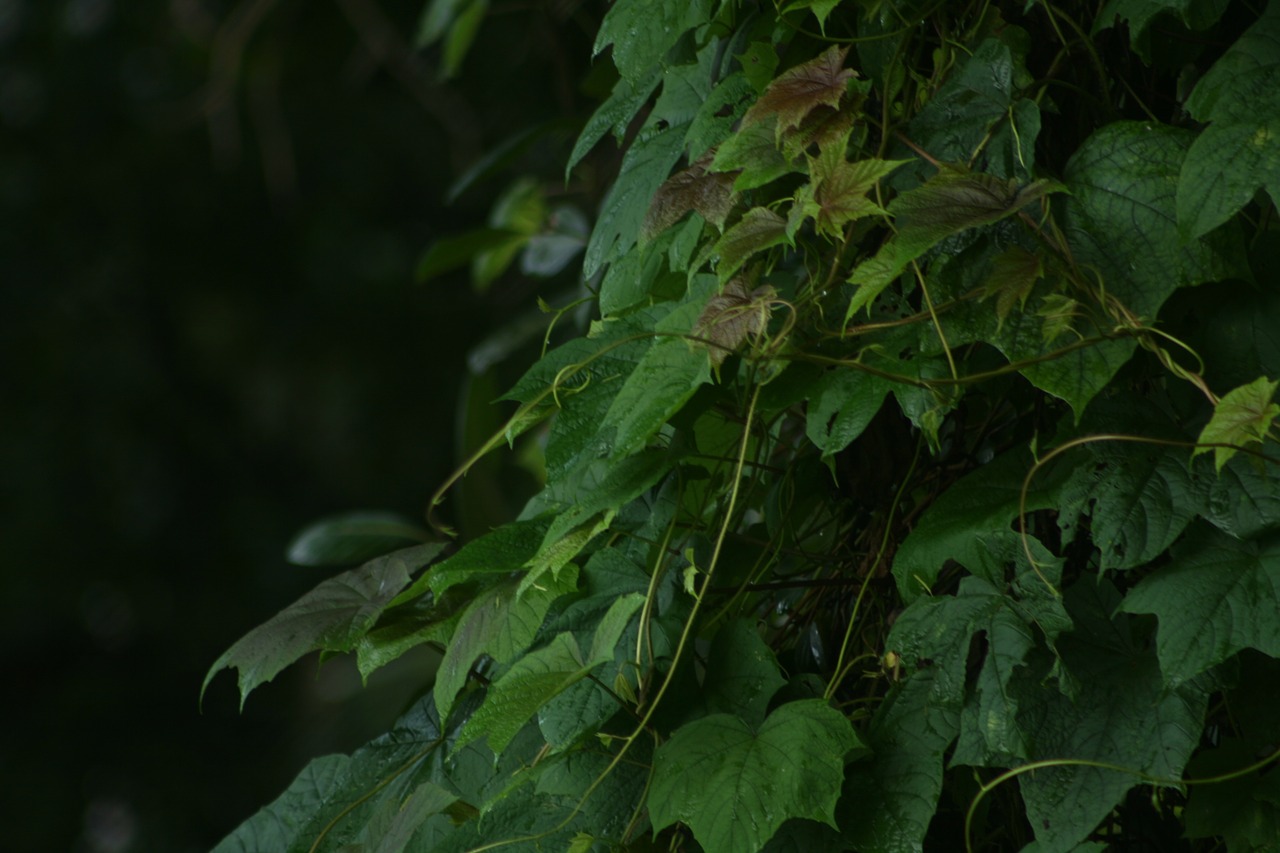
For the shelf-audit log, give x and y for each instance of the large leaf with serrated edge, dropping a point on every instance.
(642, 31)
(1121, 217)
(734, 786)
(889, 800)
(1218, 595)
(1122, 714)
(332, 618)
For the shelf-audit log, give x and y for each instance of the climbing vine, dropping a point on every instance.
(912, 482)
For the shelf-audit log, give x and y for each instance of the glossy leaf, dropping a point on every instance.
(734, 786)
(642, 32)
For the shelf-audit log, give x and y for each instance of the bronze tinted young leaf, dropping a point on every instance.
(800, 90)
(731, 317)
(709, 193)
(1243, 417)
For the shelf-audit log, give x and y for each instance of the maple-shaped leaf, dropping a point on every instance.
(800, 90)
(709, 193)
(759, 229)
(838, 193)
(1243, 417)
(731, 317)
(1013, 273)
(1058, 311)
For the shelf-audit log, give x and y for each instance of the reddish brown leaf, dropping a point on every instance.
(800, 90)
(709, 193)
(731, 317)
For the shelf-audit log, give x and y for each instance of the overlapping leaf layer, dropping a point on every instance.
(878, 512)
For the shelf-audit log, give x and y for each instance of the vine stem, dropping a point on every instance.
(987, 787)
(676, 656)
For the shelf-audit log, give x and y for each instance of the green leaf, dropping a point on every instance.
(278, 826)
(1121, 714)
(664, 379)
(759, 229)
(332, 617)
(642, 32)
(735, 786)
(1218, 595)
(1140, 498)
(892, 798)
(462, 32)
(753, 153)
(1253, 54)
(1121, 217)
(498, 622)
(742, 673)
(1243, 417)
(1139, 14)
(450, 253)
(539, 676)
(984, 502)
(497, 553)
(352, 538)
(389, 642)
(759, 62)
(613, 116)
(395, 823)
(1240, 499)
(841, 405)
(1243, 810)
(839, 190)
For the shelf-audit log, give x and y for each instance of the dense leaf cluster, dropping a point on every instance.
(878, 510)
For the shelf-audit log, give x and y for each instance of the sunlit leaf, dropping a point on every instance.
(1245, 416)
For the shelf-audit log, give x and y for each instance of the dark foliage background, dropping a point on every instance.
(210, 336)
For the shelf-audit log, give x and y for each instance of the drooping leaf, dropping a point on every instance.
(1122, 714)
(642, 32)
(798, 91)
(731, 317)
(539, 676)
(734, 786)
(742, 673)
(1243, 417)
(332, 618)
(1014, 272)
(613, 116)
(889, 800)
(841, 405)
(759, 229)
(709, 193)
(1217, 596)
(498, 622)
(346, 540)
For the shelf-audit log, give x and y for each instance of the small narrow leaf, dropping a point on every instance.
(1243, 417)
